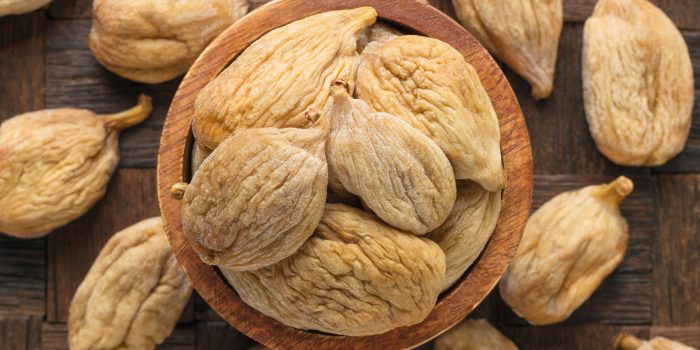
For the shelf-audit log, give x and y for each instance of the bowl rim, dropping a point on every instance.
(454, 304)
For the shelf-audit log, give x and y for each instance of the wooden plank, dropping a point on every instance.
(677, 251)
(71, 9)
(590, 336)
(687, 335)
(220, 335)
(55, 337)
(625, 296)
(75, 79)
(73, 248)
(22, 276)
(20, 332)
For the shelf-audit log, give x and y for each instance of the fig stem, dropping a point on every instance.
(618, 189)
(177, 190)
(130, 117)
(340, 87)
(626, 341)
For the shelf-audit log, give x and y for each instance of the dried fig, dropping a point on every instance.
(257, 197)
(18, 7)
(155, 41)
(281, 75)
(474, 335)
(199, 154)
(375, 36)
(133, 294)
(55, 165)
(523, 33)
(399, 173)
(355, 276)
(569, 246)
(467, 229)
(637, 83)
(428, 84)
(626, 341)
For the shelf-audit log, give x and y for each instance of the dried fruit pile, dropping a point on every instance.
(333, 106)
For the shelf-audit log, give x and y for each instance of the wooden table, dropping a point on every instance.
(45, 63)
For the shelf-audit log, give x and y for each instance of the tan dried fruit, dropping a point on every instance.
(375, 36)
(399, 173)
(637, 83)
(474, 335)
(626, 341)
(430, 85)
(55, 165)
(355, 276)
(569, 246)
(199, 154)
(467, 229)
(281, 75)
(523, 33)
(18, 7)
(258, 197)
(155, 41)
(133, 294)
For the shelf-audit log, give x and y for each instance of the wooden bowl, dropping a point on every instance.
(453, 305)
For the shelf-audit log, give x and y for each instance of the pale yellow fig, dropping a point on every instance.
(638, 83)
(430, 85)
(375, 36)
(18, 7)
(474, 335)
(133, 294)
(257, 197)
(355, 276)
(157, 40)
(399, 173)
(55, 165)
(523, 33)
(467, 229)
(570, 245)
(626, 341)
(281, 75)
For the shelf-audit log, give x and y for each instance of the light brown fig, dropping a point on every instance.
(55, 165)
(356, 276)
(626, 341)
(399, 173)
(430, 85)
(257, 197)
(199, 154)
(156, 41)
(474, 335)
(523, 33)
(638, 83)
(467, 229)
(570, 245)
(18, 7)
(281, 75)
(133, 294)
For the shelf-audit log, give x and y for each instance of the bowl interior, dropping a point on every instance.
(454, 304)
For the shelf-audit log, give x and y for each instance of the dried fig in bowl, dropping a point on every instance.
(637, 83)
(155, 41)
(356, 276)
(399, 173)
(474, 335)
(569, 246)
(55, 165)
(133, 294)
(18, 7)
(429, 84)
(257, 197)
(281, 75)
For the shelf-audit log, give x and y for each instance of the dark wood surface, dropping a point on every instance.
(44, 61)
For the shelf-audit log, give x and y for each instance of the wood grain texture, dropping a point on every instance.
(221, 335)
(20, 333)
(687, 335)
(71, 9)
(677, 253)
(452, 306)
(22, 276)
(55, 337)
(585, 337)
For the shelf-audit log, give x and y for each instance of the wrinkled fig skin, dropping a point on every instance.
(18, 7)
(257, 198)
(637, 83)
(626, 341)
(375, 36)
(199, 154)
(55, 165)
(428, 84)
(523, 33)
(399, 173)
(281, 75)
(569, 246)
(156, 41)
(474, 335)
(467, 229)
(133, 294)
(356, 276)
